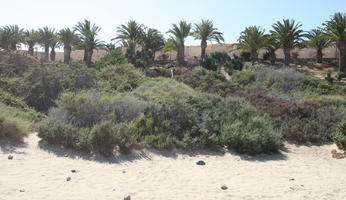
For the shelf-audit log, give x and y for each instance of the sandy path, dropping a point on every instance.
(41, 171)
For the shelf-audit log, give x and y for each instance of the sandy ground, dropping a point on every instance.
(299, 172)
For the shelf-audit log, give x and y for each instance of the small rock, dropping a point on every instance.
(333, 151)
(21, 190)
(65, 155)
(124, 171)
(339, 156)
(68, 178)
(128, 197)
(291, 179)
(201, 162)
(10, 157)
(73, 170)
(224, 187)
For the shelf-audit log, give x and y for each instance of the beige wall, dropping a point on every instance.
(195, 51)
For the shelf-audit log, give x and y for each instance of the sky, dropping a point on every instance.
(231, 17)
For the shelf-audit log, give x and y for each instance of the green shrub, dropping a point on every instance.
(43, 84)
(15, 123)
(120, 78)
(320, 87)
(10, 100)
(306, 122)
(106, 136)
(244, 129)
(339, 135)
(112, 58)
(92, 122)
(244, 78)
(208, 81)
(329, 77)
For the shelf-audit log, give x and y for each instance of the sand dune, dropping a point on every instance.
(299, 172)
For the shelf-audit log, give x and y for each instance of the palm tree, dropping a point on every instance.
(151, 42)
(336, 29)
(180, 32)
(15, 36)
(68, 38)
(289, 34)
(318, 40)
(271, 45)
(31, 38)
(130, 35)
(205, 31)
(53, 45)
(252, 39)
(88, 39)
(46, 35)
(4, 39)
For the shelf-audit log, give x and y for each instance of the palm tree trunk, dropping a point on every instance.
(67, 54)
(85, 58)
(90, 54)
(46, 53)
(181, 54)
(342, 55)
(52, 55)
(319, 55)
(287, 56)
(203, 48)
(31, 50)
(254, 57)
(13, 47)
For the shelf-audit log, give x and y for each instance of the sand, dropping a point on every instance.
(298, 172)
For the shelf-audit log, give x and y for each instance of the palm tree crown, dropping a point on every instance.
(289, 34)
(180, 32)
(205, 31)
(252, 39)
(46, 35)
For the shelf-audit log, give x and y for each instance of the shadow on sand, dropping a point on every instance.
(11, 147)
(148, 153)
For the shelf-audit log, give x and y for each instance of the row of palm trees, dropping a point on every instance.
(139, 38)
(82, 36)
(288, 35)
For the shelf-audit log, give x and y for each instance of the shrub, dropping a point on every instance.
(246, 55)
(243, 129)
(244, 78)
(120, 78)
(92, 121)
(339, 135)
(43, 84)
(208, 81)
(329, 77)
(106, 136)
(304, 122)
(256, 67)
(113, 57)
(321, 87)
(14, 123)
(284, 79)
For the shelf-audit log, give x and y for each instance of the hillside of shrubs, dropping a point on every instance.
(114, 107)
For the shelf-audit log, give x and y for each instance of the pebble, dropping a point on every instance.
(68, 178)
(73, 170)
(128, 197)
(21, 190)
(201, 162)
(10, 157)
(291, 179)
(224, 187)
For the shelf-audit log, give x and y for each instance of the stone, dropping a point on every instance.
(21, 190)
(128, 197)
(339, 156)
(73, 170)
(124, 171)
(68, 178)
(224, 187)
(291, 179)
(10, 157)
(201, 162)
(333, 151)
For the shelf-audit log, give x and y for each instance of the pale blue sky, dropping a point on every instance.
(230, 16)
